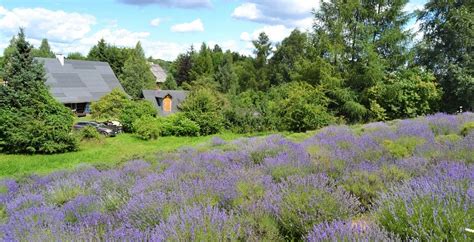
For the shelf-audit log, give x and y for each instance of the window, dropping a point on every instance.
(167, 104)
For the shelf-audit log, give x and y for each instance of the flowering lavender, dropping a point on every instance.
(349, 231)
(414, 178)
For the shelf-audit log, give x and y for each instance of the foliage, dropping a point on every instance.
(447, 49)
(44, 50)
(405, 94)
(147, 128)
(467, 128)
(247, 112)
(206, 108)
(136, 74)
(170, 83)
(179, 125)
(89, 133)
(111, 105)
(31, 121)
(435, 207)
(134, 110)
(298, 107)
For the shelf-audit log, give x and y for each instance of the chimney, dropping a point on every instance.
(60, 58)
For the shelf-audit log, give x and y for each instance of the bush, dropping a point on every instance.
(135, 110)
(298, 107)
(364, 185)
(247, 112)
(111, 105)
(307, 201)
(147, 128)
(467, 128)
(436, 207)
(89, 133)
(205, 107)
(404, 94)
(179, 125)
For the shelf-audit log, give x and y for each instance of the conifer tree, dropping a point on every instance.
(31, 120)
(136, 74)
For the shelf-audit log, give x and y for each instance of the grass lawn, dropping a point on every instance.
(109, 152)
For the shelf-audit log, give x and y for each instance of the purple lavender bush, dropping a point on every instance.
(349, 231)
(437, 206)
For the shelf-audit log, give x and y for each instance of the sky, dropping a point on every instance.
(165, 28)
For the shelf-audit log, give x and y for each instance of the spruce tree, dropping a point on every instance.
(31, 120)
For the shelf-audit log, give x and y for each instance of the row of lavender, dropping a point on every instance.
(410, 179)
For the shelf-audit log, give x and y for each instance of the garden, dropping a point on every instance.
(401, 180)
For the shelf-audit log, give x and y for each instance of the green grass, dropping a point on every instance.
(110, 151)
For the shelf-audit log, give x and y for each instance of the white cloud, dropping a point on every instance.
(291, 13)
(247, 11)
(58, 26)
(155, 22)
(194, 26)
(276, 33)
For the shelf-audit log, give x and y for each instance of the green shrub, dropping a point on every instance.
(89, 133)
(135, 110)
(402, 147)
(247, 112)
(364, 185)
(404, 94)
(147, 128)
(111, 105)
(206, 108)
(298, 107)
(467, 128)
(179, 125)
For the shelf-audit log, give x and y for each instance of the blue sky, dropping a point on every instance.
(165, 27)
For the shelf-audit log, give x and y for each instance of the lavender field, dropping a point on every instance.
(403, 180)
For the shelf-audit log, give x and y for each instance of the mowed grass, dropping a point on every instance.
(109, 151)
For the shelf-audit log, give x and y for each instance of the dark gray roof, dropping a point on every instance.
(159, 73)
(79, 81)
(155, 96)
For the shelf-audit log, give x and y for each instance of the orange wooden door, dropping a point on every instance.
(167, 104)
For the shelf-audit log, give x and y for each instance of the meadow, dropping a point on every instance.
(404, 180)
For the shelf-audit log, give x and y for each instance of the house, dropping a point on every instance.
(77, 83)
(159, 73)
(165, 101)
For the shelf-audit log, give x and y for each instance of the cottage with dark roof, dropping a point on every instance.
(77, 83)
(165, 101)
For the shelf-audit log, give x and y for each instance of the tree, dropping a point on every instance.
(205, 107)
(76, 56)
(170, 83)
(135, 110)
(110, 106)
(183, 66)
(263, 49)
(202, 63)
(227, 78)
(44, 50)
(115, 56)
(31, 120)
(405, 94)
(292, 49)
(447, 49)
(298, 107)
(136, 75)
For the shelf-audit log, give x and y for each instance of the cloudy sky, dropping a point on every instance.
(165, 27)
